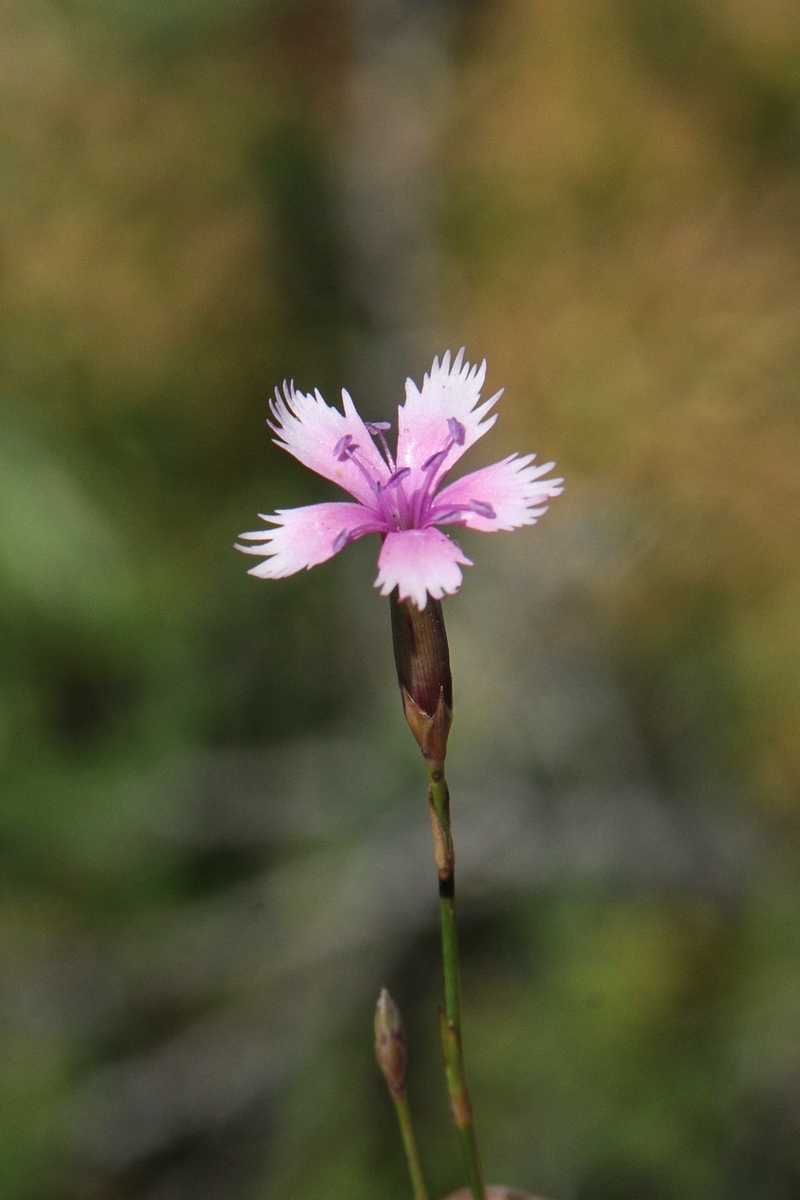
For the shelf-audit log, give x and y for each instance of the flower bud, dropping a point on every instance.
(422, 659)
(492, 1193)
(390, 1044)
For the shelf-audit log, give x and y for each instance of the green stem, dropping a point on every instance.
(451, 1030)
(410, 1147)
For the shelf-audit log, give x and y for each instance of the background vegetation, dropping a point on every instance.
(213, 830)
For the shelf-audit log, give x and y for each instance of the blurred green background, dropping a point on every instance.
(213, 828)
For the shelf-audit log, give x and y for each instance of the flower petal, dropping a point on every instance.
(306, 536)
(313, 431)
(419, 562)
(505, 495)
(449, 394)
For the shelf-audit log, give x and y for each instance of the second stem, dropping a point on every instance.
(451, 1030)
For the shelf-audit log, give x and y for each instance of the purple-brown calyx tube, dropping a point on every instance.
(422, 659)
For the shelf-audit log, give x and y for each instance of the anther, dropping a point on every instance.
(436, 459)
(483, 510)
(453, 516)
(457, 431)
(397, 478)
(345, 447)
(350, 535)
(378, 429)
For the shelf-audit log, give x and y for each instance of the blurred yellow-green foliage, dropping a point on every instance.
(213, 829)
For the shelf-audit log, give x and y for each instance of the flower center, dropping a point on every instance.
(391, 504)
(393, 508)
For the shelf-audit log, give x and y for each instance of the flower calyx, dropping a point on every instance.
(422, 659)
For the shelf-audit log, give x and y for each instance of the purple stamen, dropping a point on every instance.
(398, 477)
(436, 459)
(377, 429)
(457, 431)
(350, 535)
(483, 510)
(345, 450)
(451, 517)
(345, 447)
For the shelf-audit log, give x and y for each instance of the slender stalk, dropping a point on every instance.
(451, 1030)
(410, 1147)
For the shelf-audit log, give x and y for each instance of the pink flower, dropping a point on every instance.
(399, 497)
